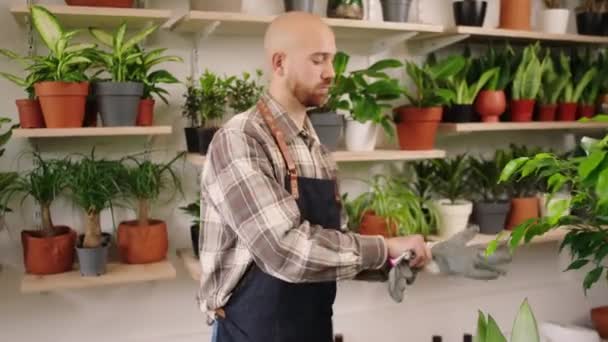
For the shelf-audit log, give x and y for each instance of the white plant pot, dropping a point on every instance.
(360, 137)
(453, 218)
(554, 20)
(266, 7)
(544, 206)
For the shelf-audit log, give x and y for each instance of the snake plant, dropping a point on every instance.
(553, 82)
(525, 327)
(574, 89)
(528, 76)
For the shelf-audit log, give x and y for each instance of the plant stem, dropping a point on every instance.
(47, 223)
(143, 212)
(92, 235)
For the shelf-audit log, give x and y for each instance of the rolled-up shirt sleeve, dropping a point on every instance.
(266, 218)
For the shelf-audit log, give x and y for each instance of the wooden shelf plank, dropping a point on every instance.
(192, 264)
(484, 33)
(90, 132)
(518, 126)
(483, 239)
(106, 17)
(116, 274)
(242, 24)
(346, 156)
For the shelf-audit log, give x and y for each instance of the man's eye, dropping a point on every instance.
(317, 61)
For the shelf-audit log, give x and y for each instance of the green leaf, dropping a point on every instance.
(590, 163)
(47, 26)
(79, 47)
(601, 189)
(493, 333)
(448, 67)
(516, 236)
(577, 264)
(525, 328)
(102, 36)
(481, 328)
(119, 37)
(592, 277)
(556, 181)
(583, 83)
(601, 254)
(340, 62)
(512, 167)
(77, 60)
(385, 64)
(492, 246)
(138, 37)
(17, 80)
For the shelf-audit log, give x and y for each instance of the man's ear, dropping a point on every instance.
(278, 63)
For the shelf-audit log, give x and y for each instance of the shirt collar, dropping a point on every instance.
(285, 123)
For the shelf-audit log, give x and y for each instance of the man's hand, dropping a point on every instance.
(415, 243)
(454, 257)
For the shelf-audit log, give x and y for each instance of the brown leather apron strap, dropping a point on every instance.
(280, 140)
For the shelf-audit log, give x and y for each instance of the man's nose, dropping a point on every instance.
(328, 72)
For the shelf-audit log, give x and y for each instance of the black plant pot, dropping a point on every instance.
(605, 24)
(199, 138)
(328, 127)
(460, 113)
(194, 235)
(469, 13)
(590, 23)
(491, 216)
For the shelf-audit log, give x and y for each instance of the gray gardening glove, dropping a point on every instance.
(454, 257)
(400, 276)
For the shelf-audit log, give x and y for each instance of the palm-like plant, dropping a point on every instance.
(485, 176)
(124, 61)
(94, 184)
(146, 180)
(27, 82)
(6, 178)
(44, 184)
(451, 178)
(503, 61)
(576, 86)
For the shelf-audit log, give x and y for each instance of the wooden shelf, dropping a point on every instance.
(242, 24)
(519, 126)
(116, 274)
(191, 263)
(483, 239)
(90, 132)
(347, 156)
(484, 33)
(106, 17)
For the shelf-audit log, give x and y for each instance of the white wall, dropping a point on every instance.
(166, 311)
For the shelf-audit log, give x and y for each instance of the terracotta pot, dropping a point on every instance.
(491, 104)
(145, 115)
(566, 112)
(602, 103)
(522, 209)
(30, 114)
(371, 224)
(522, 110)
(417, 127)
(142, 244)
(547, 112)
(63, 103)
(101, 3)
(48, 255)
(515, 14)
(585, 111)
(599, 317)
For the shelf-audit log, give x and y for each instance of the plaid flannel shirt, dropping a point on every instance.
(248, 216)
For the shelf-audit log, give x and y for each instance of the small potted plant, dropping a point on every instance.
(395, 10)
(30, 114)
(244, 92)
(145, 240)
(367, 93)
(193, 210)
(64, 87)
(573, 90)
(390, 208)
(450, 179)
(590, 17)
(118, 98)
(526, 85)
(522, 191)
(492, 205)
(326, 120)
(205, 107)
(491, 102)
(49, 250)
(554, 18)
(101, 3)
(94, 184)
(469, 12)
(466, 85)
(553, 84)
(346, 9)
(417, 122)
(151, 81)
(581, 64)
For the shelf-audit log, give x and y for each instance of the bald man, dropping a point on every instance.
(274, 241)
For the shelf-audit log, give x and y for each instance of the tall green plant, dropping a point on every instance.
(124, 60)
(582, 64)
(525, 327)
(427, 81)
(213, 93)
(245, 91)
(574, 89)
(503, 61)
(65, 62)
(526, 184)
(94, 183)
(450, 178)
(6, 178)
(465, 92)
(553, 82)
(528, 76)
(152, 79)
(485, 176)
(192, 104)
(146, 180)
(27, 82)
(44, 184)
